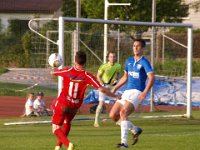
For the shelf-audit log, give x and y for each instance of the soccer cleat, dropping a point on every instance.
(136, 135)
(57, 148)
(122, 145)
(71, 146)
(96, 125)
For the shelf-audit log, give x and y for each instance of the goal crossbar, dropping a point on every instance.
(189, 27)
(154, 24)
(101, 21)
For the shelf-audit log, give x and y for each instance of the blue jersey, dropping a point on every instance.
(137, 72)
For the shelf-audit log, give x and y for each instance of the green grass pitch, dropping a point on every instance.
(158, 134)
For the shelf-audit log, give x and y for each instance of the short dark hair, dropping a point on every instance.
(143, 43)
(110, 52)
(40, 94)
(80, 57)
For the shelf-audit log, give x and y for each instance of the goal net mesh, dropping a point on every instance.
(170, 54)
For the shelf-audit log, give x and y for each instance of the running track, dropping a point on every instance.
(13, 106)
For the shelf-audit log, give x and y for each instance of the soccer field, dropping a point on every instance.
(158, 134)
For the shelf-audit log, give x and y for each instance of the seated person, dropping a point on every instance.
(40, 105)
(29, 110)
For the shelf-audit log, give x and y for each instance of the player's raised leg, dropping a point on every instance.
(60, 135)
(115, 112)
(65, 128)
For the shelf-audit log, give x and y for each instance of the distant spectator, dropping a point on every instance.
(29, 110)
(40, 105)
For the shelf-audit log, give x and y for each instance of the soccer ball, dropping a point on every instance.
(55, 60)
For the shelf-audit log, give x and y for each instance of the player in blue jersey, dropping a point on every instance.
(137, 70)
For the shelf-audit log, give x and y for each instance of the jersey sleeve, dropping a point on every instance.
(92, 81)
(147, 66)
(60, 72)
(126, 66)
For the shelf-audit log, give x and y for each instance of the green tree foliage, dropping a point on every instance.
(69, 8)
(15, 42)
(26, 44)
(140, 10)
(17, 27)
(171, 10)
(12, 53)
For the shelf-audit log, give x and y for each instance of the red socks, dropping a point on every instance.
(65, 129)
(61, 137)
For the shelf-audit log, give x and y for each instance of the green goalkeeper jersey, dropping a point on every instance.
(109, 72)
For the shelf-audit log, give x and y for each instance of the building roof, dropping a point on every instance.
(29, 6)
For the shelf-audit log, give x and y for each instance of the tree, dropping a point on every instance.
(69, 8)
(171, 10)
(140, 10)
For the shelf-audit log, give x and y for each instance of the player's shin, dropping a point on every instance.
(98, 112)
(61, 137)
(65, 129)
(124, 132)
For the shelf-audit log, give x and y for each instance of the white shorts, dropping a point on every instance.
(130, 96)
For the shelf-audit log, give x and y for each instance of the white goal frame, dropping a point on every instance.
(189, 45)
(189, 27)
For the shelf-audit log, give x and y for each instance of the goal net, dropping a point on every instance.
(170, 56)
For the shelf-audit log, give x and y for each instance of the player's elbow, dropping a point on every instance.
(151, 77)
(102, 89)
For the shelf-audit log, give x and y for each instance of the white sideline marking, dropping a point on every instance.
(27, 88)
(78, 119)
(41, 122)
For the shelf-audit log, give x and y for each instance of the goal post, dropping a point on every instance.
(91, 38)
(189, 72)
(60, 49)
(133, 23)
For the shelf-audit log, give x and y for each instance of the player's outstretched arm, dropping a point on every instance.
(107, 92)
(121, 82)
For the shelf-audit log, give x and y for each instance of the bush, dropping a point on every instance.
(176, 68)
(3, 70)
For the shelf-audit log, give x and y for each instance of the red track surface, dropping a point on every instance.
(13, 106)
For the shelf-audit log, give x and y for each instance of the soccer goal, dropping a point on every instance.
(172, 54)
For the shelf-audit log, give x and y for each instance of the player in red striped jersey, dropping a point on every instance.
(75, 82)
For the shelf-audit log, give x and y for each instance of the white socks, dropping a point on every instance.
(124, 132)
(125, 126)
(98, 111)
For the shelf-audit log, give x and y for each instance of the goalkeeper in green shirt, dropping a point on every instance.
(107, 75)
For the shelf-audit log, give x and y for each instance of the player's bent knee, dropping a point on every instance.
(54, 128)
(114, 117)
(123, 113)
(111, 116)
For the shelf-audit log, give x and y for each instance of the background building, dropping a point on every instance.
(194, 13)
(25, 10)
